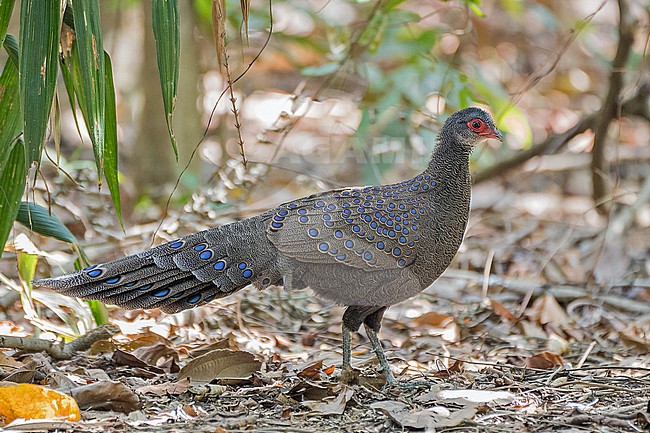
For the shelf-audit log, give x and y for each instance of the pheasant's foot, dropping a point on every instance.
(349, 375)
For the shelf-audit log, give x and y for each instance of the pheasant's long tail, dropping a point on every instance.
(181, 274)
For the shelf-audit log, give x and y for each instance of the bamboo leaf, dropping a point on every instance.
(12, 185)
(27, 267)
(6, 7)
(110, 151)
(39, 44)
(38, 219)
(90, 51)
(66, 61)
(72, 72)
(11, 45)
(9, 108)
(166, 32)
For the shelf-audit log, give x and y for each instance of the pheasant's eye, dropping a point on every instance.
(476, 125)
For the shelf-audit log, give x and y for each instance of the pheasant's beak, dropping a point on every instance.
(492, 133)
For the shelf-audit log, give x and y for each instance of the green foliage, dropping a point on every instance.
(11, 46)
(401, 61)
(41, 221)
(166, 31)
(39, 45)
(26, 97)
(475, 6)
(27, 267)
(89, 74)
(6, 7)
(12, 185)
(110, 144)
(9, 108)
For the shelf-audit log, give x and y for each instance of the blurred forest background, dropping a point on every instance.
(312, 95)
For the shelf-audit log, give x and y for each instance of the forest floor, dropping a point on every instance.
(542, 323)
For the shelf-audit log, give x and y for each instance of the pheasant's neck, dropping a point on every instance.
(449, 166)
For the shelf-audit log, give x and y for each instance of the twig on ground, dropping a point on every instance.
(585, 355)
(60, 350)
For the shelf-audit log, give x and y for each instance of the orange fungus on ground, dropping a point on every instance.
(35, 402)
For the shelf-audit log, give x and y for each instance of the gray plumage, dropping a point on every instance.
(366, 248)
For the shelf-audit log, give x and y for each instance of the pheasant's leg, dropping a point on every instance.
(381, 356)
(347, 347)
(348, 375)
(352, 320)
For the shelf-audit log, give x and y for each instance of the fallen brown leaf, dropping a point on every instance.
(332, 406)
(220, 364)
(546, 309)
(312, 371)
(500, 310)
(160, 355)
(429, 418)
(433, 319)
(122, 358)
(106, 395)
(544, 361)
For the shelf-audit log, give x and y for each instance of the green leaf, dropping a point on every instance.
(6, 7)
(27, 267)
(110, 150)
(66, 61)
(11, 45)
(38, 219)
(392, 4)
(474, 5)
(373, 34)
(166, 32)
(12, 185)
(9, 108)
(39, 44)
(99, 311)
(91, 73)
(318, 71)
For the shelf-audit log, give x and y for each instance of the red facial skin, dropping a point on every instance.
(478, 126)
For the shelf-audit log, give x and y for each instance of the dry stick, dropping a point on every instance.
(235, 112)
(585, 355)
(486, 274)
(610, 109)
(60, 350)
(626, 412)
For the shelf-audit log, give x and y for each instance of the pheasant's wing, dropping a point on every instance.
(369, 228)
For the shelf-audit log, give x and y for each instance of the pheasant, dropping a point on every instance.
(365, 248)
